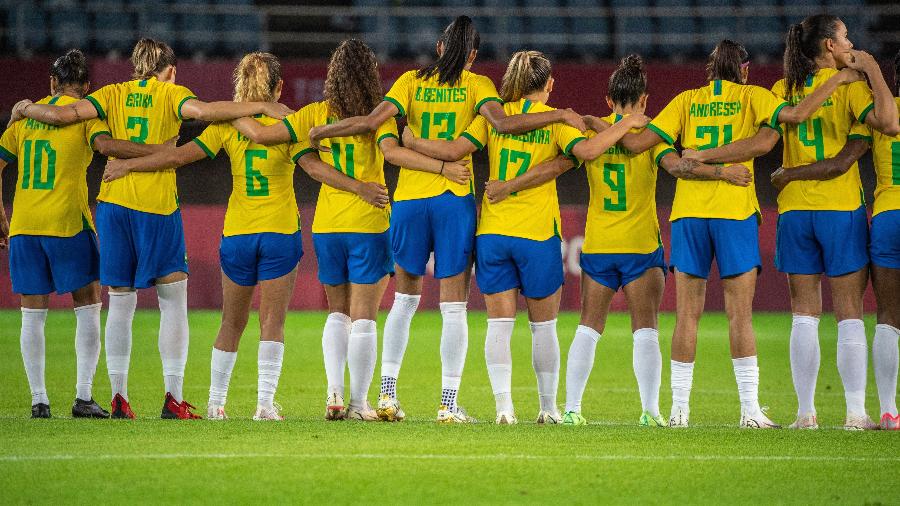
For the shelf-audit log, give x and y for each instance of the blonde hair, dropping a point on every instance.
(256, 77)
(527, 72)
(150, 57)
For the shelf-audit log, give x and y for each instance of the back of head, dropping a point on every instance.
(150, 57)
(802, 45)
(725, 62)
(459, 39)
(352, 85)
(70, 69)
(527, 72)
(256, 77)
(628, 82)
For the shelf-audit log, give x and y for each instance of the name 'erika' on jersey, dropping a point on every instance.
(139, 100)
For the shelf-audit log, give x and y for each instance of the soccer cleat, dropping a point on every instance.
(445, 415)
(573, 418)
(889, 422)
(648, 420)
(214, 412)
(174, 410)
(363, 413)
(805, 422)
(859, 422)
(334, 407)
(757, 420)
(389, 409)
(120, 408)
(679, 417)
(271, 413)
(40, 410)
(88, 409)
(505, 418)
(549, 418)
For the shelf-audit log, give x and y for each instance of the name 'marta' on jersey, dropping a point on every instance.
(51, 192)
(436, 111)
(886, 155)
(621, 216)
(532, 213)
(145, 111)
(822, 136)
(358, 157)
(262, 195)
(705, 118)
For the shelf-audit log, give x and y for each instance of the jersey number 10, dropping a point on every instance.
(33, 174)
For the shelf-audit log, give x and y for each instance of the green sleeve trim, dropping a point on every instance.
(473, 140)
(853, 137)
(664, 152)
(486, 100)
(397, 105)
(209, 153)
(862, 115)
(576, 140)
(181, 104)
(290, 130)
(660, 133)
(777, 128)
(299, 155)
(385, 136)
(95, 136)
(93, 101)
(773, 122)
(6, 155)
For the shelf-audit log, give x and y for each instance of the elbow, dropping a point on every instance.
(502, 126)
(371, 124)
(891, 130)
(103, 147)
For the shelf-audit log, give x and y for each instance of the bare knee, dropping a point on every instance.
(87, 295)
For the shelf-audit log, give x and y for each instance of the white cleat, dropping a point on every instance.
(860, 422)
(214, 412)
(268, 413)
(757, 420)
(334, 407)
(445, 415)
(505, 418)
(805, 422)
(363, 413)
(389, 409)
(549, 418)
(679, 417)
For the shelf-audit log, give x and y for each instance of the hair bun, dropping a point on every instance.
(632, 61)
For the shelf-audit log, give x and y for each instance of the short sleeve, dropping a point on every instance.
(93, 128)
(566, 138)
(860, 100)
(668, 123)
(477, 132)
(766, 106)
(860, 131)
(100, 100)
(400, 93)
(298, 125)
(179, 96)
(485, 92)
(659, 151)
(778, 89)
(9, 144)
(387, 129)
(212, 139)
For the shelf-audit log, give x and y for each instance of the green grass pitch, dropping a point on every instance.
(306, 459)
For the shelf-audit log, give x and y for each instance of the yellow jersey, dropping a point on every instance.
(621, 215)
(886, 155)
(145, 111)
(436, 111)
(822, 136)
(532, 213)
(358, 157)
(705, 118)
(262, 195)
(51, 191)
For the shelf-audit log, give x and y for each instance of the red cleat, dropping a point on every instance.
(174, 410)
(889, 422)
(121, 408)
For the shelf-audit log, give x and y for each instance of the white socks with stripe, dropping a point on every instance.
(396, 336)
(335, 338)
(579, 363)
(87, 348)
(805, 357)
(545, 360)
(682, 381)
(31, 341)
(454, 346)
(269, 359)
(362, 352)
(852, 361)
(498, 357)
(118, 339)
(885, 359)
(646, 360)
(220, 368)
(173, 334)
(746, 373)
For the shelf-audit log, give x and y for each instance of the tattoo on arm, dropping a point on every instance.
(718, 171)
(75, 109)
(685, 167)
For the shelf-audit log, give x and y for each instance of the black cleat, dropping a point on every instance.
(88, 409)
(40, 410)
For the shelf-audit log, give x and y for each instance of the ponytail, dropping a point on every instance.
(150, 57)
(256, 77)
(459, 39)
(527, 72)
(629, 81)
(70, 69)
(726, 60)
(802, 46)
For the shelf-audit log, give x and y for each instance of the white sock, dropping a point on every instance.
(852, 361)
(220, 368)
(269, 358)
(335, 337)
(805, 357)
(87, 348)
(454, 346)
(362, 352)
(579, 364)
(884, 360)
(498, 356)
(646, 360)
(118, 339)
(396, 333)
(746, 373)
(682, 381)
(173, 334)
(32, 344)
(545, 360)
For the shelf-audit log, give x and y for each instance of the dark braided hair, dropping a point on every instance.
(459, 39)
(628, 82)
(725, 61)
(802, 47)
(70, 69)
(352, 85)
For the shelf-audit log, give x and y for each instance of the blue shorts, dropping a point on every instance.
(615, 270)
(248, 259)
(444, 224)
(40, 264)
(503, 263)
(885, 246)
(733, 243)
(813, 242)
(136, 247)
(347, 257)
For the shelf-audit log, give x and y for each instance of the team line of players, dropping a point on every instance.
(827, 118)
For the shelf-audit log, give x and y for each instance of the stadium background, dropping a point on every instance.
(583, 38)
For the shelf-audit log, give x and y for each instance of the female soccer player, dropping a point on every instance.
(518, 240)
(138, 216)
(52, 241)
(350, 226)
(432, 213)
